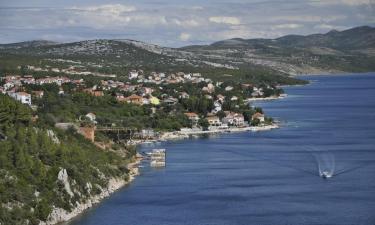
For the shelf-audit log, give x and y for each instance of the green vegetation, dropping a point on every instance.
(30, 161)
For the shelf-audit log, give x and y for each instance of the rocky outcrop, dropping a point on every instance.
(62, 176)
(59, 215)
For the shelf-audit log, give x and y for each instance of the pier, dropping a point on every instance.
(157, 158)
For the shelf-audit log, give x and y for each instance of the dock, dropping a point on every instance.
(158, 158)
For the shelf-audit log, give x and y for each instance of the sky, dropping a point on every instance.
(176, 23)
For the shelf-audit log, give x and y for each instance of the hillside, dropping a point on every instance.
(350, 50)
(47, 173)
(117, 57)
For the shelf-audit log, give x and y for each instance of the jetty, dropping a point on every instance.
(158, 158)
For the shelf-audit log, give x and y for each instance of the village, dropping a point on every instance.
(209, 106)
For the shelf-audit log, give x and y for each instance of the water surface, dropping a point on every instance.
(267, 177)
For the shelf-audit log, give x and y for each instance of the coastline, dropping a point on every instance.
(178, 135)
(59, 215)
(267, 98)
(186, 134)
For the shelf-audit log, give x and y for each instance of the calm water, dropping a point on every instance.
(267, 177)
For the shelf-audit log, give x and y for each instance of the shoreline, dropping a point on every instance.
(62, 216)
(179, 135)
(267, 98)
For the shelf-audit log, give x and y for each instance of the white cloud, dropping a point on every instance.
(115, 9)
(225, 20)
(329, 27)
(287, 26)
(340, 2)
(185, 36)
(185, 23)
(307, 18)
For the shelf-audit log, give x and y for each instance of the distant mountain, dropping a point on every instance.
(27, 44)
(352, 39)
(350, 50)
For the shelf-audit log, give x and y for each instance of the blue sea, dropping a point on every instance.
(269, 177)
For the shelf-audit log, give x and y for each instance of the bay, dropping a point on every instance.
(269, 177)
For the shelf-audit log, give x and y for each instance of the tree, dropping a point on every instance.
(255, 122)
(204, 123)
(12, 111)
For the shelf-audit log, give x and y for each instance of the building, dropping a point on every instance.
(38, 94)
(170, 101)
(91, 117)
(234, 119)
(92, 92)
(135, 99)
(193, 117)
(133, 75)
(218, 107)
(154, 100)
(23, 97)
(258, 116)
(147, 134)
(214, 121)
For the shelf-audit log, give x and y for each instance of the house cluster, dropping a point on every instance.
(173, 78)
(71, 70)
(12, 85)
(231, 119)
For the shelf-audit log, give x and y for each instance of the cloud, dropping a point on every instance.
(186, 23)
(288, 26)
(225, 20)
(329, 27)
(341, 2)
(307, 18)
(167, 23)
(115, 9)
(184, 36)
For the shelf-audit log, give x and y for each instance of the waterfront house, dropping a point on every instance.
(234, 119)
(214, 121)
(193, 117)
(258, 116)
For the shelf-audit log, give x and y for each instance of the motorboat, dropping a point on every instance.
(326, 174)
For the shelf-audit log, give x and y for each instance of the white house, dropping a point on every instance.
(228, 88)
(234, 119)
(91, 117)
(217, 108)
(23, 97)
(133, 74)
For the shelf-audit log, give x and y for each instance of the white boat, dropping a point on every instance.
(326, 174)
